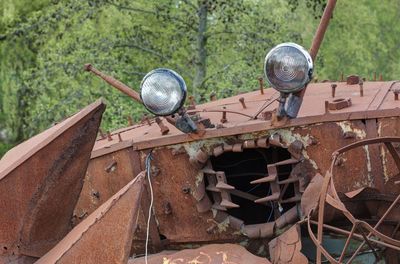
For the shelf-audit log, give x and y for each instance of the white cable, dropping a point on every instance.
(148, 170)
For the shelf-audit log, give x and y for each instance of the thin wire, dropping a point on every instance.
(148, 171)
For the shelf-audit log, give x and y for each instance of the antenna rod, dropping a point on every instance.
(323, 25)
(114, 82)
(318, 37)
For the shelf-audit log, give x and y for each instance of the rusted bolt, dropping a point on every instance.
(164, 129)
(167, 208)
(338, 104)
(111, 167)
(223, 119)
(96, 194)
(102, 135)
(186, 189)
(130, 121)
(333, 86)
(326, 107)
(145, 118)
(396, 94)
(380, 77)
(349, 134)
(109, 136)
(261, 81)
(241, 100)
(361, 83)
(119, 137)
(213, 96)
(192, 103)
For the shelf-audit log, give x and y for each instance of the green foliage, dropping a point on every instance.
(45, 43)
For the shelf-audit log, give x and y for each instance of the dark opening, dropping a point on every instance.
(243, 167)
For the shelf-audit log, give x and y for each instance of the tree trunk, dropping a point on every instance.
(201, 58)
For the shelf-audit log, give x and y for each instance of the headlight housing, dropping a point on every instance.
(163, 91)
(288, 67)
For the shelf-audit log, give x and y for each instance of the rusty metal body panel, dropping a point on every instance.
(40, 182)
(211, 254)
(106, 235)
(247, 175)
(185, 219)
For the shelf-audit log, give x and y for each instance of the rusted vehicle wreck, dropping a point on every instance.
(303, 173)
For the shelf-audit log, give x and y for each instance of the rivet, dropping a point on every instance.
(223, 119)
(361, 83)
(333, 86)
(261, 81)
(241, 100)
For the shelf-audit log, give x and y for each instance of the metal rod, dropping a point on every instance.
(115, 83)
(355, 235)
(375, 227)
(323, 25)
(318, 37)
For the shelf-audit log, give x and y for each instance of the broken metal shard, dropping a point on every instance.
(40, 183)
(105, 236)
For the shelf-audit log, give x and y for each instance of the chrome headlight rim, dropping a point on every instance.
(181, 83)
(308, 59)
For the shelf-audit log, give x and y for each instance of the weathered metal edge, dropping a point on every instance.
(63, 127)
(248, 128)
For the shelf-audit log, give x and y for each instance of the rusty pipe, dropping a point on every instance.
(318, 37)
(114, 82)
(323, 25)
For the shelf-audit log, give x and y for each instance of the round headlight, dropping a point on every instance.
(163, 92)
(288, 67)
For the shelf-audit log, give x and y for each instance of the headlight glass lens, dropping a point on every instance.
(288, 67)
(163, 91)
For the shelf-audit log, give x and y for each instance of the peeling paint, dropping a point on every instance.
(192, 147)
(369, 167)
(313, 163)
(346, 127)
(384, 164)
(223, 226)
(288, 136)
(199, 178)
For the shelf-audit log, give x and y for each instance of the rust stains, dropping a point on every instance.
(210, 254)
(106, 235)
(40, 182)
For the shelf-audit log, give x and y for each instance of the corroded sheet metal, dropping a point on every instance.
(370, 235)
(210, 254)
(105, 236)
(104, 177)
(375, 102)
(40, 182)
(286, 248)
(17, 260)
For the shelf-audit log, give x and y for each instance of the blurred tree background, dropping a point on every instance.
(216, 45)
